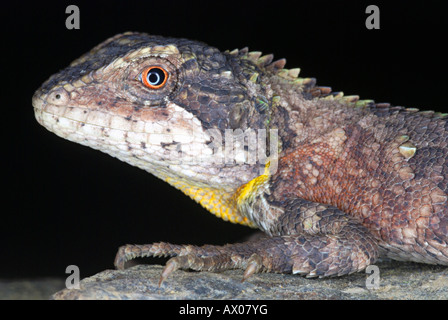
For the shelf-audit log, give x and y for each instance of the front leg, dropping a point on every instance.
(311, 239)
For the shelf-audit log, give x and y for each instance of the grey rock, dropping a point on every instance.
(30, 289)
(398, 280)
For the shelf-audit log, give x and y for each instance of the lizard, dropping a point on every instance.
(338, 183)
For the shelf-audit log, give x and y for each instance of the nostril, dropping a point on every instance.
(58, 96)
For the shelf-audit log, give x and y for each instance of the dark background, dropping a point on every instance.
(65, 204)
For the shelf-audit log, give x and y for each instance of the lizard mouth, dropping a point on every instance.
(51, 116)
(131, 141)
(39, 109)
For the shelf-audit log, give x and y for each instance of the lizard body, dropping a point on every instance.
(338, 181)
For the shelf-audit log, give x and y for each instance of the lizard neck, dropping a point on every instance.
(303, 114)
(219, 193)
(218, 201)
(240, 205)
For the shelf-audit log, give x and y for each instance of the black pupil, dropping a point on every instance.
(155, 77)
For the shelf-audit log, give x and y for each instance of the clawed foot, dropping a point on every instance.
(207, 258)
(307, 255)
(254, 265)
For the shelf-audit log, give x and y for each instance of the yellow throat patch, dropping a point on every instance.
(223, 203)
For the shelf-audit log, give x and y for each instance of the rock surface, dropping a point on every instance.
(30, 289)
(398, 280)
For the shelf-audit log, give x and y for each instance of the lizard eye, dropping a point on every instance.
(154, 77)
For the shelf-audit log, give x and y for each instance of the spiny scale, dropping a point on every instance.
(278, 68)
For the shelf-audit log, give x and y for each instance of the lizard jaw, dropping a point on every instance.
(203, 179)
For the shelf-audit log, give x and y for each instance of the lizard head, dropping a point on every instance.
(179, 109)
(161, 104)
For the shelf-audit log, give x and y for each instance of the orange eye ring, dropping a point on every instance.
(154, 77)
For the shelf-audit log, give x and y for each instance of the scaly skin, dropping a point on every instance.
(352, 179)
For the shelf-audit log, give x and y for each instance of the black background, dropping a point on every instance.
(65, 204)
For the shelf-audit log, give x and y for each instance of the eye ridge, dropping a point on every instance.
(154, 77)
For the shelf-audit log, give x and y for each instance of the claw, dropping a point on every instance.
(119, 261)
(124, 254)
(253, 266)
(170, 266)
